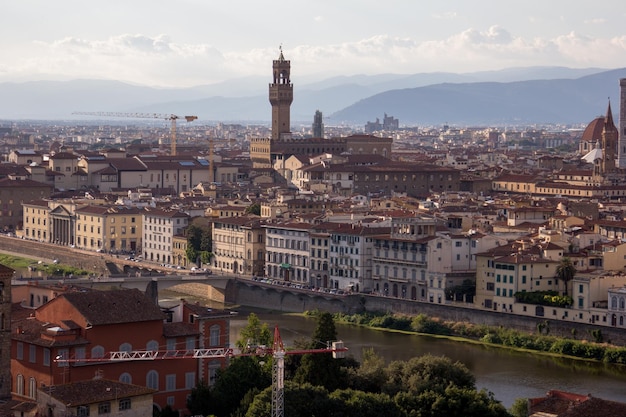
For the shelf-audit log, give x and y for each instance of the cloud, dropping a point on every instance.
(465, 51)
(596, 21)
(445, 15)
(155, 60)
(161, 60)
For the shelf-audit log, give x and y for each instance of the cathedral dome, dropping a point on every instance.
(593, 131)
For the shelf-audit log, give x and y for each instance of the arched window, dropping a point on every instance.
(152, 380)
(32, 388)
(97, 352)
(126, 347)
(126, 378)
(152, 345)
(621, 303)
(19, 384)
(614, 302)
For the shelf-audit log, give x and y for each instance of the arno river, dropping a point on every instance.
(508, 374)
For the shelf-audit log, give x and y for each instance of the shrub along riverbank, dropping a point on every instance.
(540, 342)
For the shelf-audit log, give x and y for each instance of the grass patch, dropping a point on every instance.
(20, 263)
(15, 262)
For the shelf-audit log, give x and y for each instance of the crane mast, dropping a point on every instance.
(278, 376)
(171, 117)
(277, 351)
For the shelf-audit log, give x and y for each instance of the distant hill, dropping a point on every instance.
(426, 98)
(523, 102)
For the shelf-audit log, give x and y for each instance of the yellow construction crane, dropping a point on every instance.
(171, 117)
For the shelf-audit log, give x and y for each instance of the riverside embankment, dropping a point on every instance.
(285, 299)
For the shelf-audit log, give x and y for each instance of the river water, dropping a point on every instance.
(508, 374)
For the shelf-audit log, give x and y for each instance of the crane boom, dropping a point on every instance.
(171, 117)
(277, 351)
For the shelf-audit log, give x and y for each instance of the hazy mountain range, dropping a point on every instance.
(511, 96)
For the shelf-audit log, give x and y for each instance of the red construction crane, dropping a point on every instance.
(277, 351)
(171, 117)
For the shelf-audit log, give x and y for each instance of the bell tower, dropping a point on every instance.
(609, 142)
(281, 96)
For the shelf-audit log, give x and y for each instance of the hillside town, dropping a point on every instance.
(485, 218)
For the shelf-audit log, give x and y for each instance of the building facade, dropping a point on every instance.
(69, 339)
(13, 193)
(159, 228)
(239, 246)
(287, 252)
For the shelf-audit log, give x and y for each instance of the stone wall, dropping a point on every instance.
(47, 252)
(287, 300)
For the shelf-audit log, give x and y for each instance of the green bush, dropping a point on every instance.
(424, 324)
(492, 338)
(562, 346)
(615, 355)
(495, 335)
(546, 298)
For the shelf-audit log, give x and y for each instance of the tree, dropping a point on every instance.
(370, 376)
(206, 240)
(300, 400)
(244, 373)
(427, 373)
(199, 400)
(519, 408)
(168, 411)
(254, 209)
(364, 404)
(565, 271)
(191, 253)
(194, 240)
(321, 369)
(453, 401)
(255, 333)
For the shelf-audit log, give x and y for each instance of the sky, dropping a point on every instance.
(185, 43)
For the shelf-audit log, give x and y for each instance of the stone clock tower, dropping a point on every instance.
(281, 96)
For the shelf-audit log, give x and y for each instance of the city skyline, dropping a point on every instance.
(195, 43)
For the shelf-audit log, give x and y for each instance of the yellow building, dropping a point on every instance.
(518, 267)
(109, 229)
(239, 245)
(179, 251)
(36, 220)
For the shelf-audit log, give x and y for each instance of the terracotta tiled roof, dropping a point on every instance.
(593, 131)
(127, 164)
(205, 312)
(113, 307)
(6, 182)
(179, 329)
(96, 391)
(595, 407)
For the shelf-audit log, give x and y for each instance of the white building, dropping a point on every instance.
(287, 252)
(350, 256)
(159, 227)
